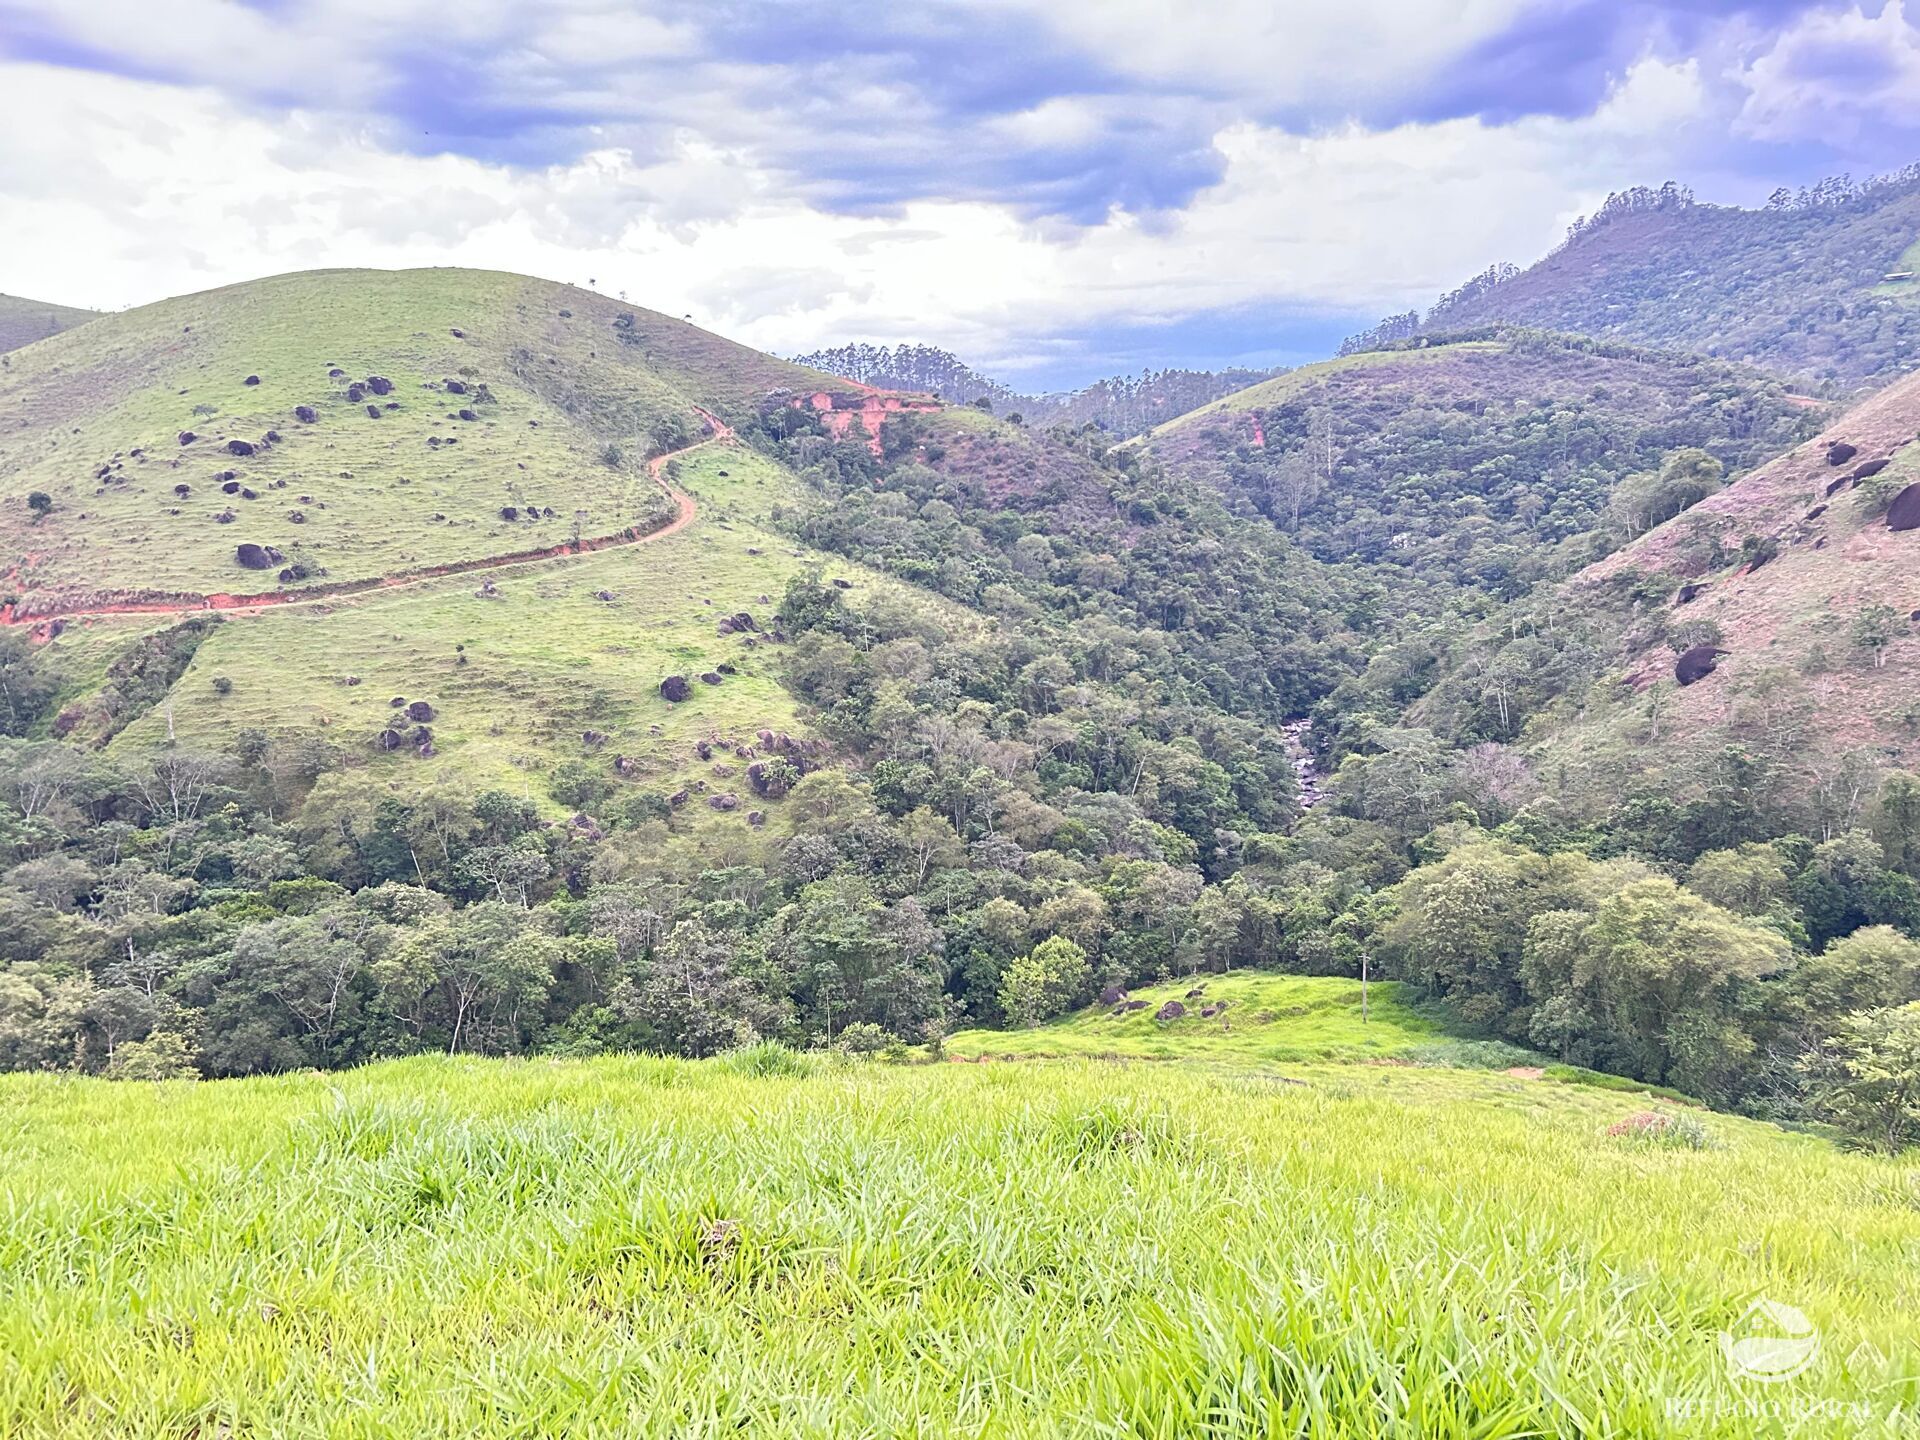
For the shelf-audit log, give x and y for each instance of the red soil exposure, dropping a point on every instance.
(40, 612)
(1259, 433)
(871, 406)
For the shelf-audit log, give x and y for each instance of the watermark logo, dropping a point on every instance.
(1770, 1342)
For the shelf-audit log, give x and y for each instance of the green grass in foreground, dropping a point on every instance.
(770, 1245)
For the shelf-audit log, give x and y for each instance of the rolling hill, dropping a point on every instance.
(1819, 286)
(354, 424)
(24, 321)
(399, 576)
(1474, 459)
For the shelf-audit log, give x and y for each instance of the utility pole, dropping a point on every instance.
(1364, 957)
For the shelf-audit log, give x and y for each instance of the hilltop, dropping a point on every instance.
(1819, 286)
(338, 426)
(24, 321)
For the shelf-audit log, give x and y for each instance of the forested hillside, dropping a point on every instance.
(1483, 460)
(1821, 286)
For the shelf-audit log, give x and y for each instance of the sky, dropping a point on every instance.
(1054, 189)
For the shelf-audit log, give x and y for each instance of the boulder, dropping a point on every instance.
(1845, 482)
(187, 437)
(675, 688)
(242, 448)
(256, 557)
(420, 711)
(1870, 469)
(1113, 995)
(251, 380)
(509, 512)
(305, 414)
(1697, 663)
(454, 387)
(379, 385)
(709, 678)
(1136, 1005)
(1172, 1010)
(468, 415)
(1687, 594)
(356, 392)
(727, 801)
(1816, 512)
(756, 817)
(1904, 512)
(1839, 452)
(373, 412)
(743, 621)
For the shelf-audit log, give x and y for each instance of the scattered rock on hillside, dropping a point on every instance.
(251, 380)
(1904, 513)
(1697, 663)
(187, 437)
(306, 414)
(675, 688)
(1845, 482)
(709, 678)
(379, 385)
(1869, 470)
(1137, 1004)
(1172, 1010)
(756, 817)
(1113, 995)
(242, 448)
(356, 392)
(373, 412)
(1687, 594)
(727, 801)
(1816, 512)
(256, 557)
(420, 710)
(509, 512)
(454, 387)
(1840, 452)
(467, 415)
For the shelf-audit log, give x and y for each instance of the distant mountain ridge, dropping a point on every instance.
(24, 321)
(1822, 284)
(1121, 405)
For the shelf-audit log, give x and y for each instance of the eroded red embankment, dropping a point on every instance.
(1259, 433)
(872, 408)
(44, 615)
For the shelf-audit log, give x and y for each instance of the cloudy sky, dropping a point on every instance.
(1056, 189)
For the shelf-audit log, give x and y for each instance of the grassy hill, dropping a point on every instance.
(359, 423)
(24, 321)
(525, 666)
(780, 1245)
(1467, 460)
(1799, 288)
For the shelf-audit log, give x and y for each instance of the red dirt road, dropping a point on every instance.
(685, 513)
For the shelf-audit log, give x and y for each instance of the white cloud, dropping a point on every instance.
(1834, 74)
(117, 191)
